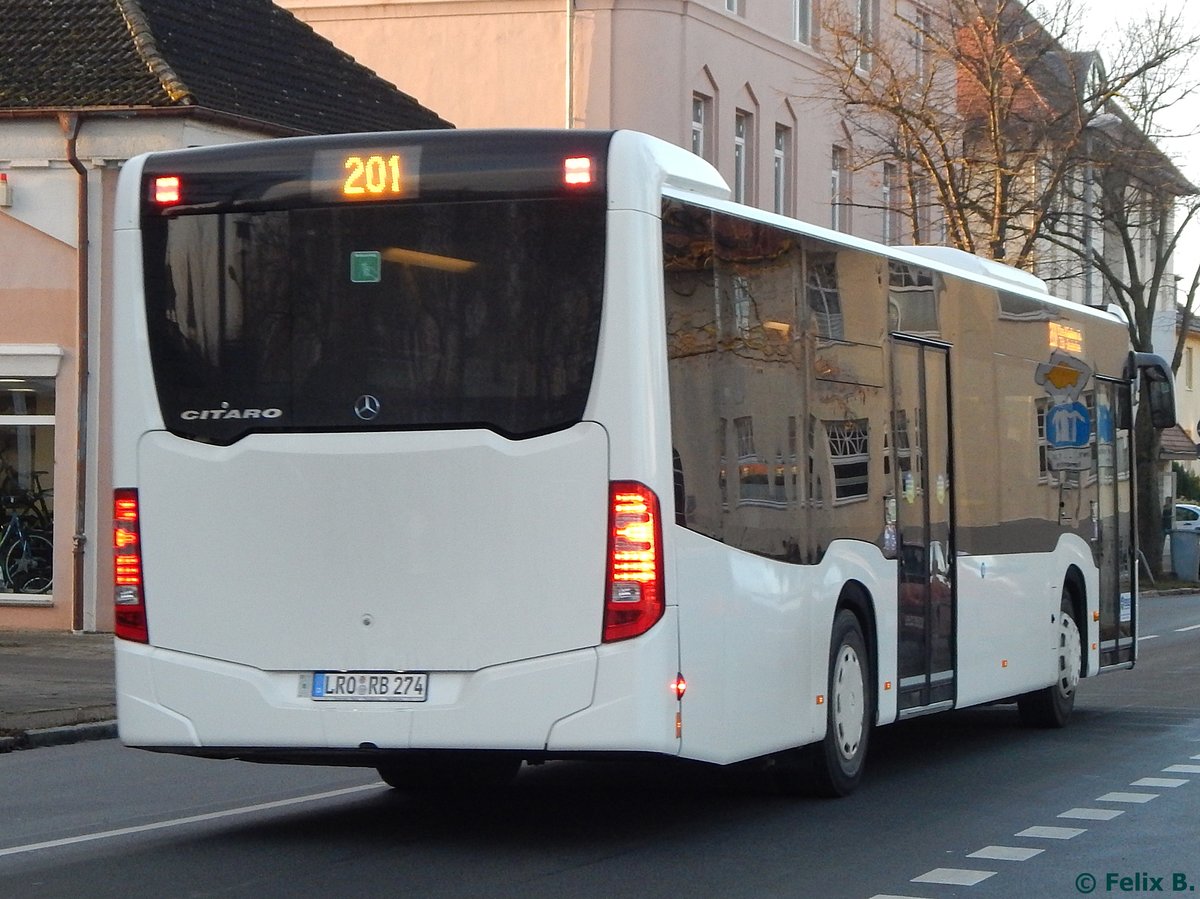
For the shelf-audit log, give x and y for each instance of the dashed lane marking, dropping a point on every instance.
(1052, 833)
(1006, 853)
(970, 877)
(1092, 814)
(960, 877)
(1169, 782)
(1127, 797)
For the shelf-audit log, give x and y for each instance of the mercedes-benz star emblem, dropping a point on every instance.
(366, 407)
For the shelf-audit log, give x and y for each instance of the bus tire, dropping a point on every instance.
(834, 766)
(450, 773)
(1051, 707)
(849, 709)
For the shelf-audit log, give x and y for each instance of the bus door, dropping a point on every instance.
(1112, 524)
(924, 505)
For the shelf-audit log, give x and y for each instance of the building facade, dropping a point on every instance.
(737, 81)
(747, 84)
(84, 86)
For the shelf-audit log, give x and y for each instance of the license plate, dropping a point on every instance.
(370, 686)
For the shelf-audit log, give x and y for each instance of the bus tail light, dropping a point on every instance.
(577, 171)
(634, 595)
(129, 606)
(167, 190)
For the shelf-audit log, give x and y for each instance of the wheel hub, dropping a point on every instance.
(1070, 656)
(849, 696)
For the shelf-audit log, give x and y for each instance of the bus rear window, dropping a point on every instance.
(382, 317)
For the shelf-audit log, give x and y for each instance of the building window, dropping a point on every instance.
(816, 484)
(849, 454)
(742, 302)
(783, 157)
(26, 464)
(701, 113)
(865, 30)
(839, 190)
(900, 440)
(1187, 367)
(802, 21)
(912, 300)
(733, 6)
(923, 217)
(741, 156)
(744, 431)
(922, 23)
(754, 479)
(824, 297)
(892, 197)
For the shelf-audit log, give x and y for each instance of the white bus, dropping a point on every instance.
(439, 452)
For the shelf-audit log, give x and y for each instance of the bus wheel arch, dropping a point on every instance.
(1051, 707)
(1075, 590)
(833, 766)
(856, 598)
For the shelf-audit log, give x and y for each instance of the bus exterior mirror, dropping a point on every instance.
(1159, 387)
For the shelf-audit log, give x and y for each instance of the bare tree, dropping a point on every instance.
(1122, 215)
(1018, 148)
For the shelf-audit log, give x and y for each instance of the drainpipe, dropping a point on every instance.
(70, 124)
(570, 74)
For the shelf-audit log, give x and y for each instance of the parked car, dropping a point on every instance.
(1187, 517)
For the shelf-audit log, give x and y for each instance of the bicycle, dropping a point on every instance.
(33, 499)
(26, 553)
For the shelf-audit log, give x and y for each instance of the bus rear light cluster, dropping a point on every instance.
(129, 607)
(634, 595)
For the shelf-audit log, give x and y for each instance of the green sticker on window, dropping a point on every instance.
(366, 267)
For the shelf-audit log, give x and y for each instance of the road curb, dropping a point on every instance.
(59, 736)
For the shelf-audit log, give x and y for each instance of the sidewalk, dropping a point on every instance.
(55, 688)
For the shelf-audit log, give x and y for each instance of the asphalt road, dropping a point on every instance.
(1111, 803)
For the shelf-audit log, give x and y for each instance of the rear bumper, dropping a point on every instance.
(170, 699)
(588, 700)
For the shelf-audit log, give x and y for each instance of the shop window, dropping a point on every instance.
(26, 487)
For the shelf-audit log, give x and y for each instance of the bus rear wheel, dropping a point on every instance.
(1051, 707)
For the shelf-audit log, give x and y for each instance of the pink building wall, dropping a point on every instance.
(37, 321)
